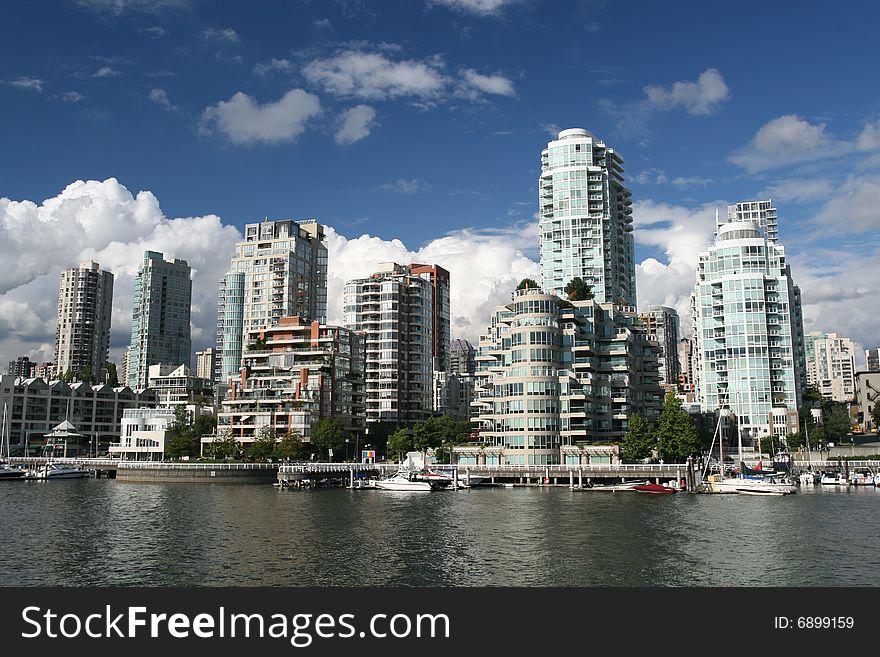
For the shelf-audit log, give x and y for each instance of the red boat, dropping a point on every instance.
(653, 488)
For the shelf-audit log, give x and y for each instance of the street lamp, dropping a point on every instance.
(346, 449)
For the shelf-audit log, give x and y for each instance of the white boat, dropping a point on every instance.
(808, 478)
(58, 471)
(403, 480)
(834, 479)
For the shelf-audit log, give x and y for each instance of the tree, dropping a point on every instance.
(257, 345)
(432, 433)
(795, 441)
(677, 436)
(328, 434)
(639, 441)
(578, 289)
(290, 446)
(876, 413)
(182, 440)
(527, 283)
(263, 446)
(837, 423)
(399, 443)
(112, 375)
(224, 446)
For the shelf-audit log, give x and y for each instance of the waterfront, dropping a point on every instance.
(106, 532)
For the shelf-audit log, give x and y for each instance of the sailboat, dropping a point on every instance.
(809, 478)
(7, 472)
(745, 484)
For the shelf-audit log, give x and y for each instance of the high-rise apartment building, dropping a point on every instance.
(748, 328)
(85, 308)
(831, 365)
(553, 374)
(662, 325)
(279, 270)
(22, 366)
(760, 212)
(160, 317)
(462, 379)
(394, 309)
(686, 365)
(205, 363)
(872, 357)
(586, 218)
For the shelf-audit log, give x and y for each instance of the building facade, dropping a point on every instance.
(867, 398)
(831, 365)
(278, 270)
(143, 434)
(303, 372)
(872, 357)
(662, 325)
(461, 381)
(760, 212)
(205, 363)
(85, 308)
(160, 317)
(553, 374)
(586, 218)
(22, 366)
(35, 406)
(747, 321)
(686, 365)
(393, 309)
(174, 385)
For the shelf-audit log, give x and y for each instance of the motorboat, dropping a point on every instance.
(750, 485)
(808, 478)
(10, 472)
(404, 480)
(834, 479)
(58, 471)
(653, 488)
(862, 479)
(436, 479)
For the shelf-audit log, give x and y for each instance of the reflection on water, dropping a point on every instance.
(104, 532)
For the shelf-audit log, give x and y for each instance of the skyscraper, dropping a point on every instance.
(586, 218)
(748, 333)
(85, 307)
(393, 308)
(278, 270)
(160, 317)
(872, 358)
(760, 212)
(831, 365)
(662, 325)
(205, 363)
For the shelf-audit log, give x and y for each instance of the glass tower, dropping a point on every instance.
(586, 218)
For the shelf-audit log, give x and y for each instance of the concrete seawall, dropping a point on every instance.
(238, 473)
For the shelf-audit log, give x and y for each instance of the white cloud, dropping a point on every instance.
(226, 35)
(790, 139)
(485, 266)
(156, 32)
(32, 84)
(105, 72)
(72, 97)
(373, 76)
(474, 84)
(479, 7)
(160, 97)
(801, 190)
(700, 97)
(403, 186)
(273, 66)
(244, 121)
(119, 7)
(104, 222)
(357, 123)
(323, 23)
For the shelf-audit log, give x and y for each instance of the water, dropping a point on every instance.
(106, 532)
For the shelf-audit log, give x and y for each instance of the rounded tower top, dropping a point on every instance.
(574, 132)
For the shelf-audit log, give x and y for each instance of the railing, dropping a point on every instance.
(560, 469)
(38, 460)
(160, 465)
(301, 468)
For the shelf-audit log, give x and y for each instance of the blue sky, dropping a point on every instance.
(415, 121)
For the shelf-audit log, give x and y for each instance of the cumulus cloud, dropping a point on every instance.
(244, 121)
(485, 266)
(357, 123)
(160, 97)
(264, 69)
(156, 32)
(403, 186)
(72, 97)
(479, 7)
(226, 35)
(373, 76)
(31, 84)
(473, 85)
(105, 72)
(104, 222)
(700, 97)
(790, 139)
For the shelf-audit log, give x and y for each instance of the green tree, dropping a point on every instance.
(263, 446)
(182, 440)
(399, 443)
(677, 437)
(86, 375)
(432, 433)
(224, 446)
(290, 447)
(257, 345)
(112, 375)
(527, 283)
(328, 433)
(639, 441)
(837, 423)
(875, 413)
(795, 441)
(578, 289)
